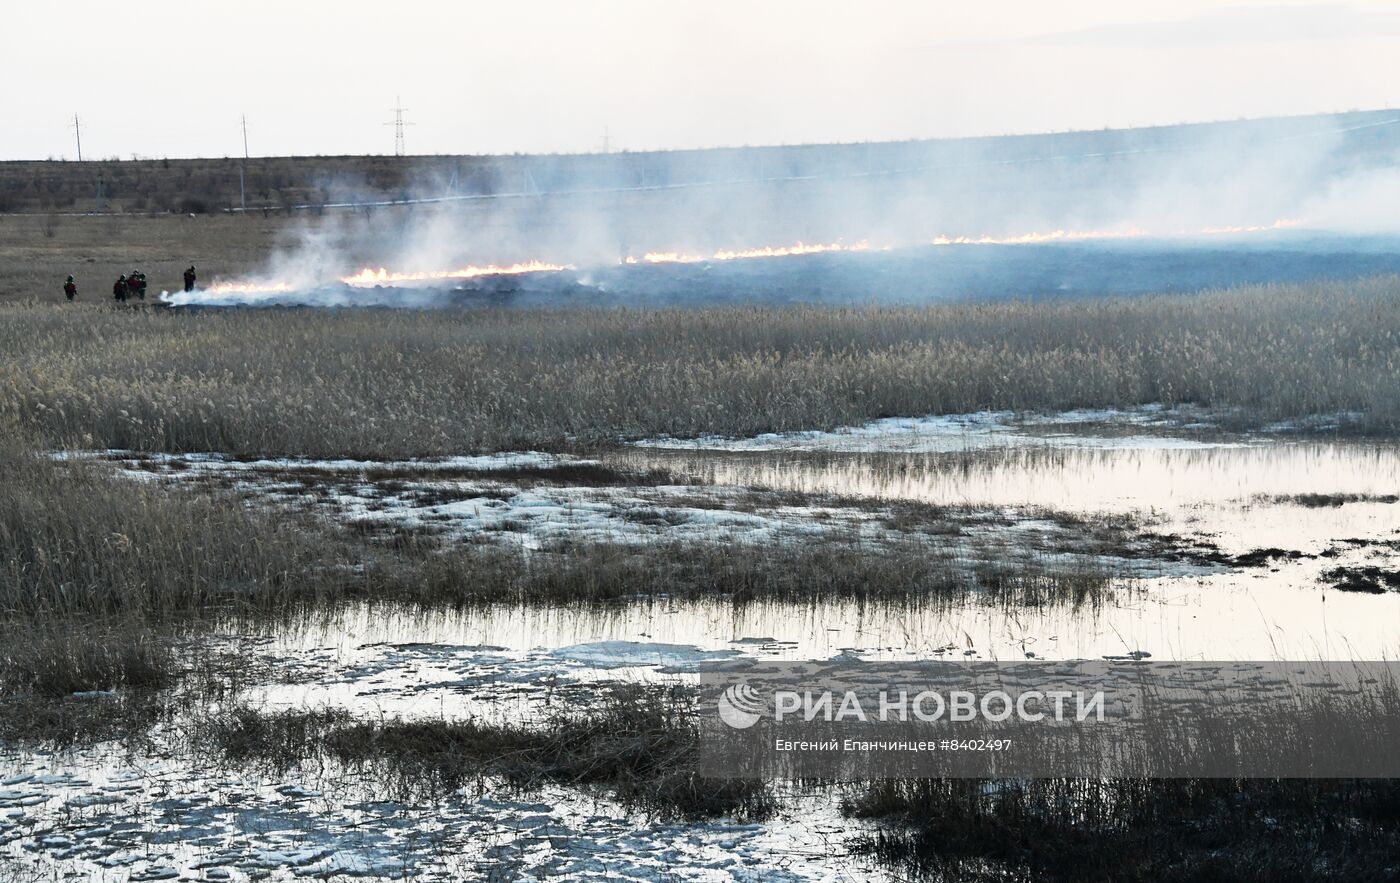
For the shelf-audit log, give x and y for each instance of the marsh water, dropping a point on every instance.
(1332, 503)
(1322, 503)
(1287, 512)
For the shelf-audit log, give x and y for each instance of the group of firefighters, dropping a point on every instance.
(132, 284)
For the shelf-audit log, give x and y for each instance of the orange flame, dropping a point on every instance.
(368, 277)
(1031, 238)
(767, 251)
(1276, 225)
(1126, 233)
(666, 257)
(249, 287)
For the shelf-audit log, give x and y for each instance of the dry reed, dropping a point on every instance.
(405, 383)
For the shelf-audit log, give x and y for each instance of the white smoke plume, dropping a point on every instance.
(1337, 173)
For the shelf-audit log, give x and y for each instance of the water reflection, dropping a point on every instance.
(1240, 497)
(1074, 479)
(1219, 617)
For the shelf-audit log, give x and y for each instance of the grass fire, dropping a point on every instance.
(470, 485)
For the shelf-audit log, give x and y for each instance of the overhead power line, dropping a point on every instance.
(398, 122)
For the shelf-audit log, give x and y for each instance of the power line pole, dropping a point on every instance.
(77, 133)
(242, 195)
(606, 146)
(398, 123)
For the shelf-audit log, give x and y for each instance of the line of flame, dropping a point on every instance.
(1031, 238)
(1276, 225)
(249, 287)
(369, 277)
(1126, 233)
(767, 251)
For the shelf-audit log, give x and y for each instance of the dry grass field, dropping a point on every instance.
(38, 251)
(406, 383)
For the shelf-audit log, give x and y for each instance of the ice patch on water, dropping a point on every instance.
(951, 433)
(627, 654)
(185, 817)
(915, 434)
(540, 513)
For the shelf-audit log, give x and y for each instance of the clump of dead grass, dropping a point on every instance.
(637, 743)
(1124, 829)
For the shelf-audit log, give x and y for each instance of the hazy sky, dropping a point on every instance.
(171, 78)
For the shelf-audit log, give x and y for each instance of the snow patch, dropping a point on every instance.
(951, 433)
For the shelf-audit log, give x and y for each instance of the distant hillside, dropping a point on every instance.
(1059, 162)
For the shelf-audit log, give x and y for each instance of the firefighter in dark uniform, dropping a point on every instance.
(70, 289)
(189, 278)
(119, 289)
